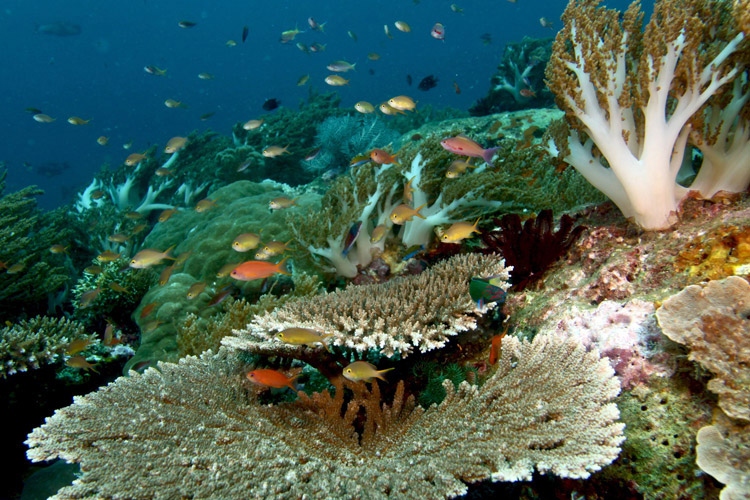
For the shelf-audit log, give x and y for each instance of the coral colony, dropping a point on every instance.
(372, 314)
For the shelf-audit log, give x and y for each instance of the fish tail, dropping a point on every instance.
(379, 374)
(168, 251)
(416, 211)
(487, 155)
(283, 267)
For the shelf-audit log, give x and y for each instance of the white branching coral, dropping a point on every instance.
(414, 312)
(193, 430)
(629, 97)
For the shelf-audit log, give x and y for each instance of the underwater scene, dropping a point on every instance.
(408, 249)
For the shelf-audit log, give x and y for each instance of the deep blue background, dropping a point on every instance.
(99, 73)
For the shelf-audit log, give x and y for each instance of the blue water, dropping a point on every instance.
(99, 73)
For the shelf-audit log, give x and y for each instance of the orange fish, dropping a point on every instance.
(150, 257)
(134, 159)
(381, 157)
(77, 346)
(497, 341)
(462, 145)
(258, 269)
(80, 362)
(271, 378)
(147, 309)
(404, 213)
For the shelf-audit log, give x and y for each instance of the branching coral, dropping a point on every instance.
(413, 312)
(29, 344)
(192, 430)
(629, 95)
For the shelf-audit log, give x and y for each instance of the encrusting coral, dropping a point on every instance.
(193, 429)
(712, 320)
(406, 313)
(29, 344)
(724, 452)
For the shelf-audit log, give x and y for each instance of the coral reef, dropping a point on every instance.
(405, 314)
(546, 407)
(31, 343)
(29, 273)
(628, 96)
(341, 138)
(713, 321)
(519, 81)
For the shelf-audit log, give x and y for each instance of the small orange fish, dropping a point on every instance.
(165, 274)
(108, 256)
(175, 144)
(196, 289)
(88, 297)
(258, 269)
(281, 202)
(459, 232)
(271, 378)
(117, 287)
(77, 346)
(381, 157)
(166, 214)
(80, 362)
(527, 92)
(497, 341)
(204, 204)
(110, 339)
(58, 248)
(134, 159)
(138, 228)
(147, 309)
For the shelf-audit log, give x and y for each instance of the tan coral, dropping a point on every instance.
(724, 452)
(713, 321)
(192, 430)
(414, 312)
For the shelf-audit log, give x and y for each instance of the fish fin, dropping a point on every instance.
(488, 154)
(284, 267)
(379, 374)
(420, 207)
(168, 251)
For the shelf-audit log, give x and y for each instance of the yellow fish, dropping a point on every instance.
(245, 242)
(88, 297)
(459, 231)
(252, 124)
(272, 249)
(303, 336)
(274, 151)
(108, 256)
(171, 103)
(205, 76)
(362, 370)
(303, 80)
(402, 103)
(364, 107)
(166, 214)
(175, 144)
(196, 289)
(336, 80)
(457, 168)
(204, 205)
(134, 159)
(150, 257)
(378, 233)
(77, 346)
(387, 109)
(75, 120)
(402, 26)
(404, 213)
(42, 118)
(102, 140)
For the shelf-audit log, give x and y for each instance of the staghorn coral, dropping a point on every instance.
(628, 96)
(713, 320)
(29, 344)
(396, 317)
(193, 430)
